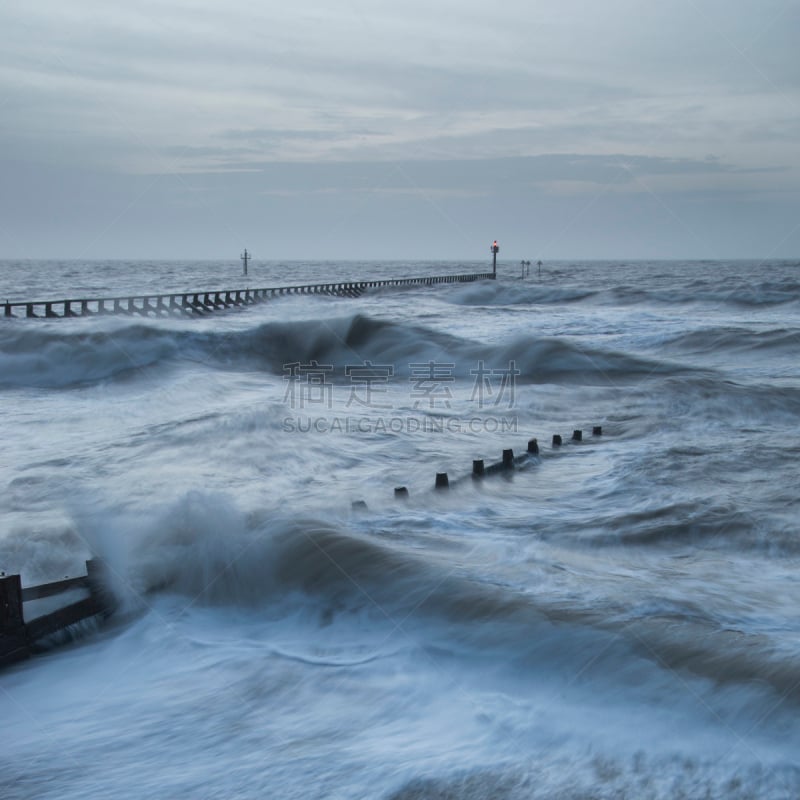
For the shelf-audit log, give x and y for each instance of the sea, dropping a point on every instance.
(615, 617)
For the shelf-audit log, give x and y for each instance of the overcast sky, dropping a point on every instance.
(399, 128)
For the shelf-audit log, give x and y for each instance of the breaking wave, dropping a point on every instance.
(46, 358)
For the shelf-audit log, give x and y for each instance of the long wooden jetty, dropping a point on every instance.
(21, 631)
(205, 302)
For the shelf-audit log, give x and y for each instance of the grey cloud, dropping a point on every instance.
(152, 122)
(473, 176)
(403, 210)
(272, 135)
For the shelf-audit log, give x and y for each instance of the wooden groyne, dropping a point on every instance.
(193, 303)
(18, 638)
(508, 463)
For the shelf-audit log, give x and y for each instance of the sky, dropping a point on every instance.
(378, 129)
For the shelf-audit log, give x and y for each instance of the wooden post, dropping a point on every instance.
(94, 570)
(14, 642)
(96, 574)
(11, 620)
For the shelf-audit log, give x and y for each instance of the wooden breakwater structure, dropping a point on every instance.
(19, 638)
(205, 302)
(507, 464)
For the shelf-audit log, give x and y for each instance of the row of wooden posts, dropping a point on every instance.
(479, 468)
(193, 303)
(19, 639)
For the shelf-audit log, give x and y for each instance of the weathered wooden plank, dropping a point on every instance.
(64, 617)
(49, 589)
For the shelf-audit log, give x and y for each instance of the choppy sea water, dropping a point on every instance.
(618, 618)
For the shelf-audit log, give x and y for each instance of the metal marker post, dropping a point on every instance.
(495, 248)
(245, 258)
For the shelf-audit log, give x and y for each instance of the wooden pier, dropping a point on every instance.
(194, 303)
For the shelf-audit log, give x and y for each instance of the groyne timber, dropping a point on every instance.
(205, 302)
(23, 629)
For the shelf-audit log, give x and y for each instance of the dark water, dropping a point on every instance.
(618, 618)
